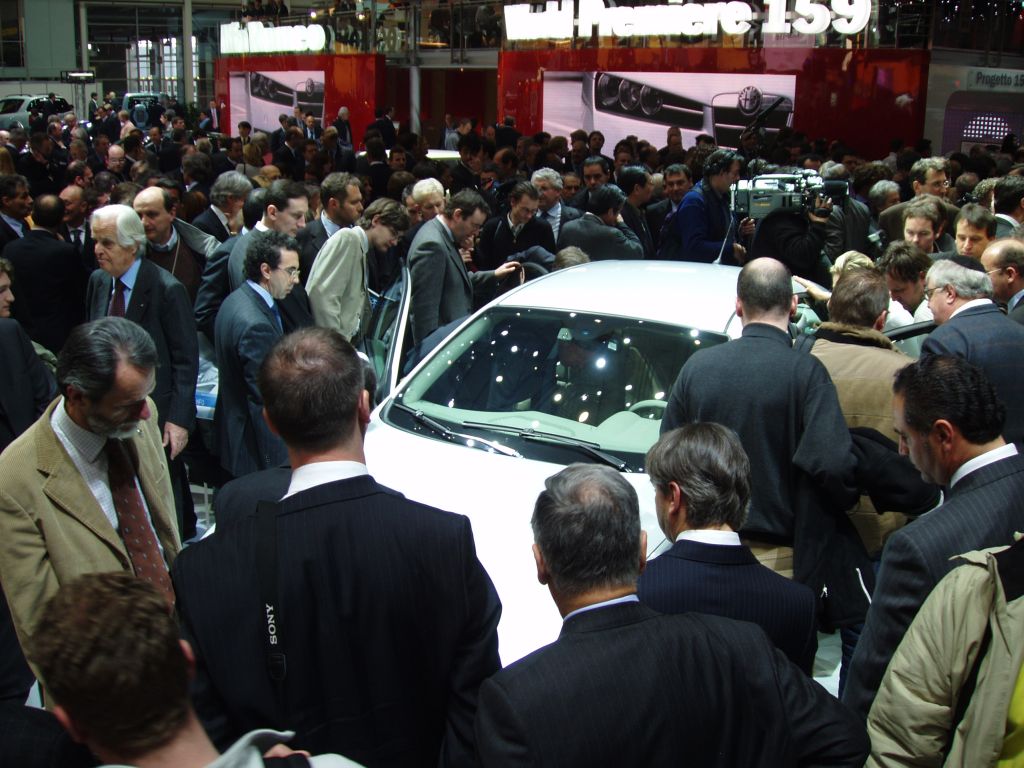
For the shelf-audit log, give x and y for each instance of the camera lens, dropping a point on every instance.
(607, 90)
(629, 95)
(650, 100)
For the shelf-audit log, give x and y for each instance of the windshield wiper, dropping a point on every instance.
(529, 433)
(470, 441)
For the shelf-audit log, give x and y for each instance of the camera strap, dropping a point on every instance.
(267, 570)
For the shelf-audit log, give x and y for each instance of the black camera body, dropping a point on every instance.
(762, 196)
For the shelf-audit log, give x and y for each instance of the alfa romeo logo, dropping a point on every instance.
(750, 100)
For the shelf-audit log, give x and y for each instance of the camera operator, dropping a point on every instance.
(797, 239)
(703, 226)
(849, 226)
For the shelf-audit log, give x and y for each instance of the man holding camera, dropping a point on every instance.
(797, 239)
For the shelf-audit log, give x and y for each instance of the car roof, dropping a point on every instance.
(681, 293)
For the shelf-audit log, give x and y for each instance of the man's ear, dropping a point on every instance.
(542, 568)
(945, 432)
(69, 725)
(792, 306)
(270, 424)
(643, 551)
(364, 410)
(190, 658)
(739, 308)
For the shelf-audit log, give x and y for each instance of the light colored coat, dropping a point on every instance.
(337, 282)
(53, 530)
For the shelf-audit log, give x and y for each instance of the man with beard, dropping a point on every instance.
(86, 488)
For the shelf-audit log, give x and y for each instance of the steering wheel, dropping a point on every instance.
(659, 406)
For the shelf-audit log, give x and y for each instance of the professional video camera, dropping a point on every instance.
(790, 192)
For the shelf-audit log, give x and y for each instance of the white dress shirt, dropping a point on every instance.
(321, 473)
(989, 457)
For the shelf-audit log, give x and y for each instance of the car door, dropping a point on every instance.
(388, 337)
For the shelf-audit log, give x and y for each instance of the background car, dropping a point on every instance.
(574, 366)
(14, 110)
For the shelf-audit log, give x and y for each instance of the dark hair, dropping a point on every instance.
(765, 286)
(677, 168)
(950, 388)
(859, 298)
(904, 261)
(977, 216)
(1008, 194)
(311, 382)
(708, 463)
(469, 142)
(522, 189)
(254, 207)
(720, 161)
(10, 184)
(392, 214)
(925, 207)
(245, 124)
(76, 170)
(266, 249)
(604, 198)
(630, 177)
(586, 523)
(375, 149)
(48, 211)
(469, 201)
(90, 356)
(598, 160)
(283, 191)
(108, 650)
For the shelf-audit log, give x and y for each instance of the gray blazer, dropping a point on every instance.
(442, 288)
(599, 241)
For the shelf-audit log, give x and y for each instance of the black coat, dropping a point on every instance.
(49, 287)
(389, 625)
(160, 304)
(497, 242)
(208, 222)
(729, 581)
(626, 686)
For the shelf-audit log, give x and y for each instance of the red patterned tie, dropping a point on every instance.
(117, 307)
(133, 525)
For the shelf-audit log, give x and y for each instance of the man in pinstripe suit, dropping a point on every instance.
(950, 423)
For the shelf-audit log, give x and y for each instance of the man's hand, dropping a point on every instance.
(747, 227)
(508, 269)
(822, 208)
(740, 253)
(176, 437)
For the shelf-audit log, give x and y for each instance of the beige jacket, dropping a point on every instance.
(912, 714)
(337, 282)
(52, 529)
(862, 370)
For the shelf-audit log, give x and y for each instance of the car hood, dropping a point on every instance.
(497, 494)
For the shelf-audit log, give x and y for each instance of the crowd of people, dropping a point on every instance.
(811, 476)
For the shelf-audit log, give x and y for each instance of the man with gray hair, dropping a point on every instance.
(130, 286)
(693, 683)
(548, 183)
(86, 487)
(227, 196)
(959, 292)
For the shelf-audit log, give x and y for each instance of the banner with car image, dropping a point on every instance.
(261, 97)
(646, 104)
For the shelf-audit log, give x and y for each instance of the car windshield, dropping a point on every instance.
(10, 106)
(552, 385)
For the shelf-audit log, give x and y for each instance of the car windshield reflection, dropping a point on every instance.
(554, 385)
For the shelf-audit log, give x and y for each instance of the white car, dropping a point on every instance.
(573, 367)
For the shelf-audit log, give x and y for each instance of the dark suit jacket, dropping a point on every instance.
(160, 304)
(982, 510)
(497, 242)
(295, 309)
(656, 213)
(1017, 313)
(389, 625)
(237, 499)
(244, 332)
(387, 131)
(599, 241)
(8, 235)
(636, 221)
(87, 253)
(311, 239)
(463, 178)
(208, 222)
(290, 163)
(625, 686)
(729, 581)
(26, 385)
(985, 337)
(214, 286)
(49, 285)
(442, 288)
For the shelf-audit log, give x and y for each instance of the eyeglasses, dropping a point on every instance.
(292, 272)
(929, 291)
(997, 269)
